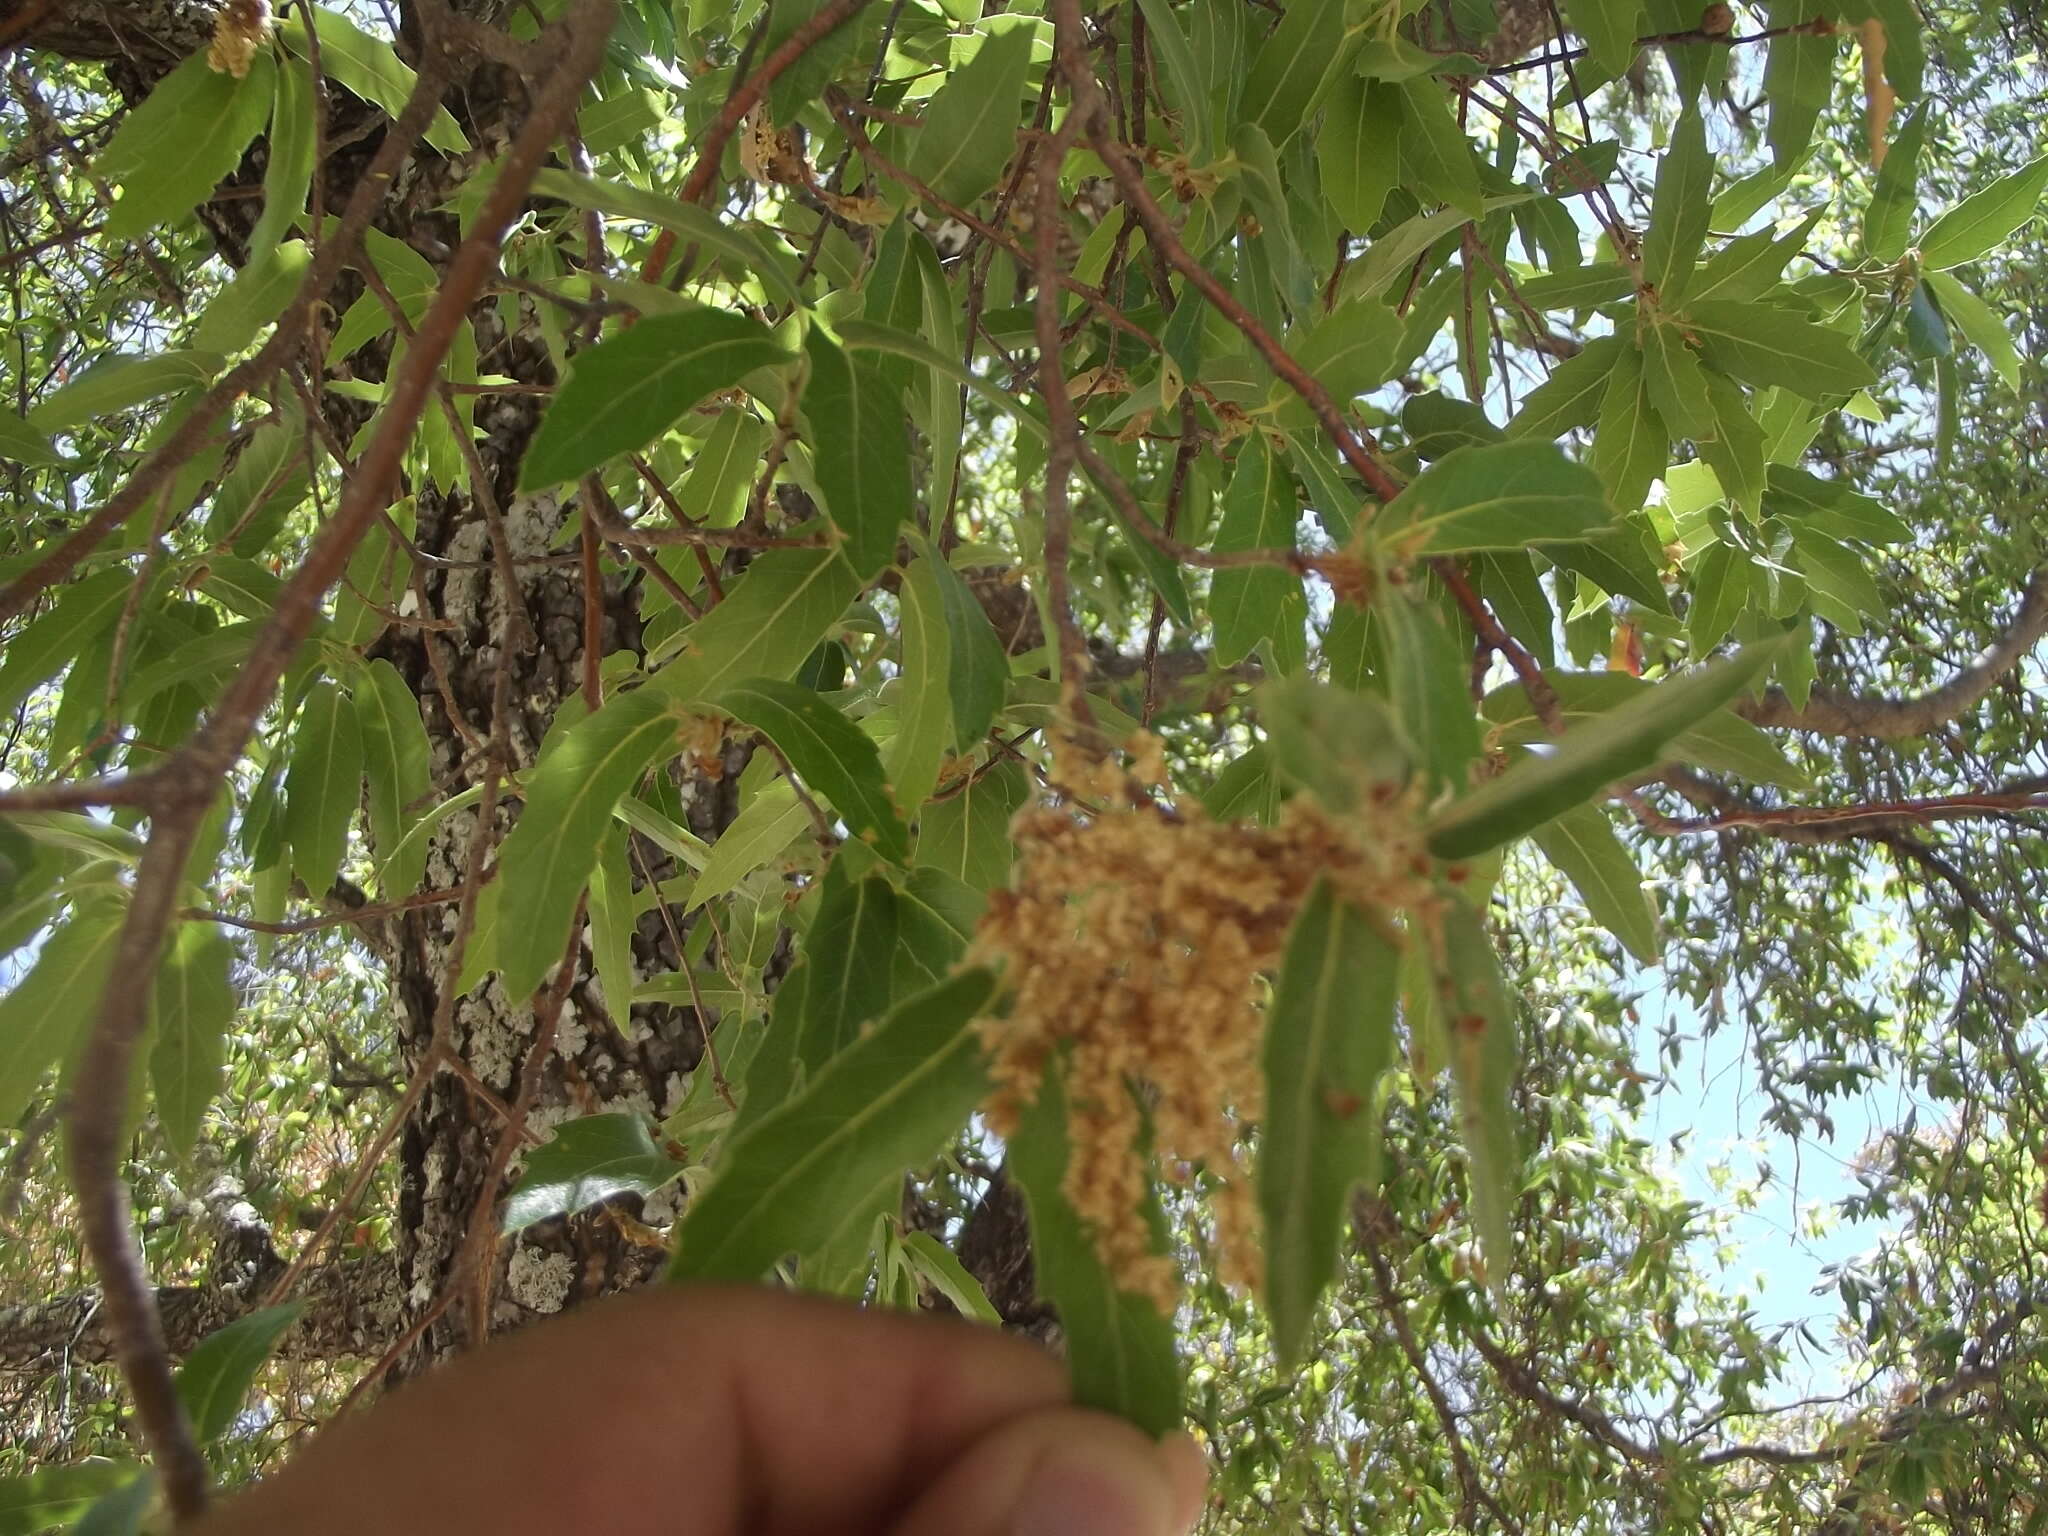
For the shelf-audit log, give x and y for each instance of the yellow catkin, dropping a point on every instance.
(1137, 937)
(240, 27)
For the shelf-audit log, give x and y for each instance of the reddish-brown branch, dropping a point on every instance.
(248, 376)
(410, 903)
(813, 29)
(1844, 819)
(188, 784)
(1091, 108)
(1094, 297)
(1062, 425)
(1494, 635)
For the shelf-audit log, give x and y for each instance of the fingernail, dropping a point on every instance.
(1075, 1493)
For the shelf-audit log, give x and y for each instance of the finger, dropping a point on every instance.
(1060, 1472)
(679, 1412)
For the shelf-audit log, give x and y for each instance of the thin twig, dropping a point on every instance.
(814, 28)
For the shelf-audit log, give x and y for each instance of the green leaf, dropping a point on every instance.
(1735, 448)
(804, 81)
(1631, 443)
(322, 785)
(1435, 157)
(22, 444)
(1983, 220)
(829, 753)
(122, 1511)
(866, 336)
(1120, 1347)
(368, 66)
(267, 479)
(938, 915)
(742, 249)
(398, 763)
(1720, 742)
(1888, 221)
(1428, 675)
(979, 678)
(847, 950)
(1582, 845)
(1830, 507)
(216, 1376)
(1721, 588)
(46, 1010)
(1246, 789)
(967, 833)
(1763, 345)
(887, 1103)
(1582, 287)
(723, 472)
(1571, 396)
(588, 1160)
(1838, 583)
(1610, 28)
(612, 920)
(1513, 588)
(970, 125)
(379, 573)
(570, 793)
(1348, 351)
(770, 823)
(1329, 1040)
(768, 624)
(118, 382)
(256, 297)
(1980, 324)
(1926, 331)
(182, 140)
(949, 1277)
(1798, 73)
(1675, 382)
(1336, 744)
(1180, 77)
(1285, 78)
(53, 1497)
(79, 613)
(629, 389)
(861, 453)
(194, 1005)
(1251, 604)
(1437, 424)
(1591, 756)
(1357, 149)
(1748, 266)
(1389, 258)
(1497, 496)
(1479, 1023)
(288, 171)
(1680, 209)
(924, 703)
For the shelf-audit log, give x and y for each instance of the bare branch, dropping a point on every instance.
(1888, 719)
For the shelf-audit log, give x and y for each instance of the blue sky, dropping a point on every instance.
(1777, 1193)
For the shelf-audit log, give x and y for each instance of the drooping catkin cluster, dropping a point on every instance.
(1137, 938)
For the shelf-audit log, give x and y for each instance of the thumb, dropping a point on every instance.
(1064, 1472)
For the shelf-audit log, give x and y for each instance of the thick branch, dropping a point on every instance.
(1888, 719)
(353, 1308)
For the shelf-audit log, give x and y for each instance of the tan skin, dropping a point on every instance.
(727, 1412)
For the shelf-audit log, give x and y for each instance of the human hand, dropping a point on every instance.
(709, 1411)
